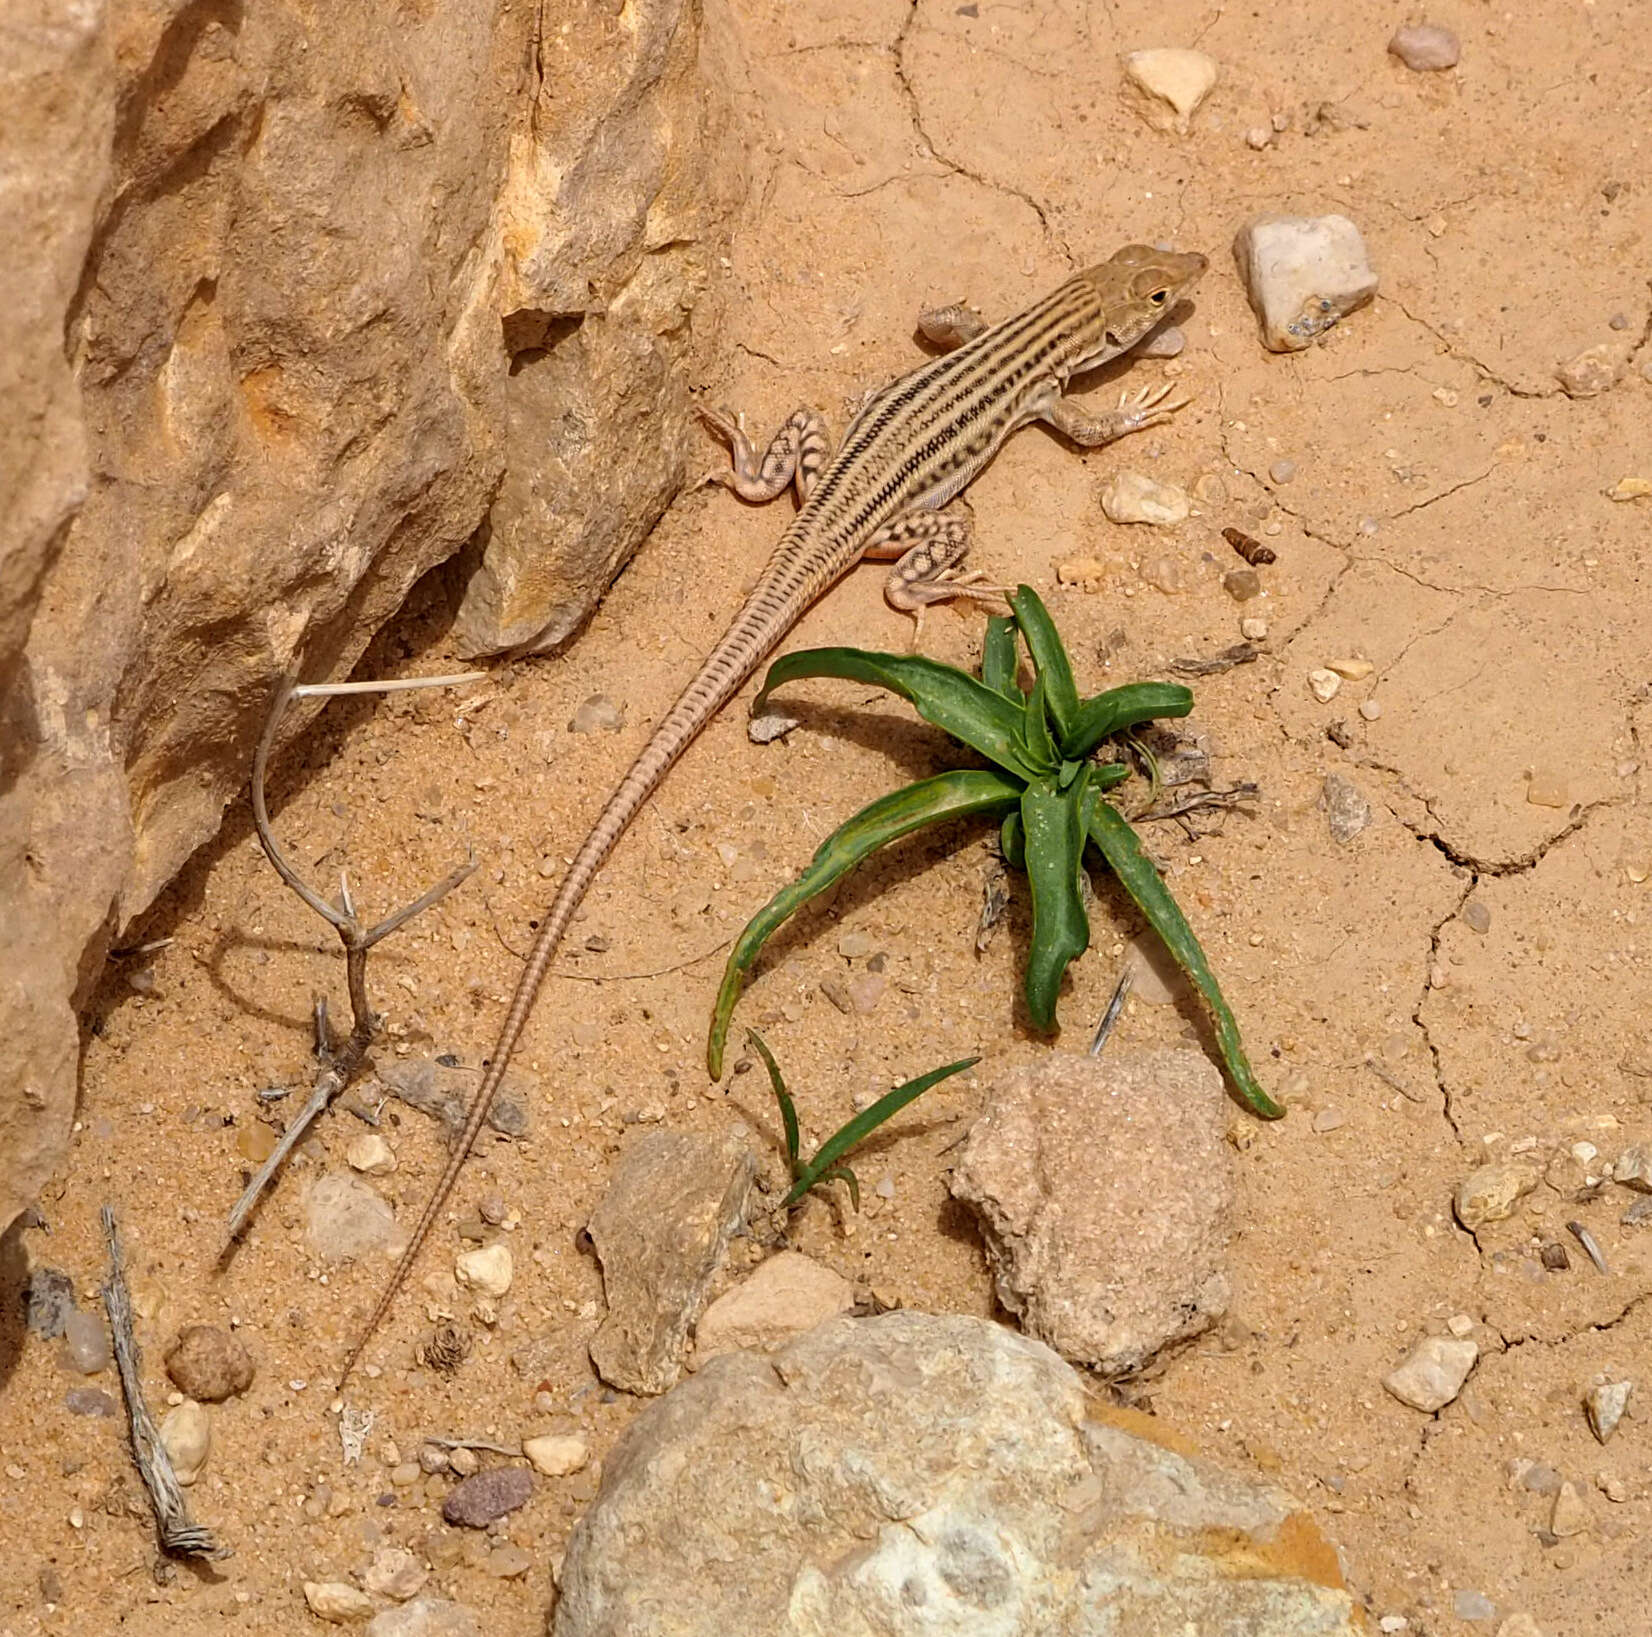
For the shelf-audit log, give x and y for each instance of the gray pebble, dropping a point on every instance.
(89, 1401)
(1282, 471)
(1605, 1406)
(599, 714)
(1473, 1606)
(487, 1497)
(1477, 916)
(86, 1343)
(1347, 812)
(771, 725)
(1425, 48)
(1242, 584)
(49, 1302)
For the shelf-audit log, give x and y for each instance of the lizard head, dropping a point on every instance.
(1134, 289)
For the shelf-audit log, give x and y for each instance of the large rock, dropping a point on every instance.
(293, 295)
(910, 1475)
(1104, 1188)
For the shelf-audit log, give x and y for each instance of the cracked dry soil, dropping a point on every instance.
(1446, 519)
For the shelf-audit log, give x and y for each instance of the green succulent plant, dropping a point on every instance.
(1043, 787)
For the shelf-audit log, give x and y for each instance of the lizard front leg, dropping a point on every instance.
(1136, 411)
(926, 548)
(795, 455)
(950, 327)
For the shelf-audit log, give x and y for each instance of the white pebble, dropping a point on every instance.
(557, 1454)
(1253, 629)
(395, 1572)
(1425, 47)
(1351, 670)
(371, 1154)
(1302, 274)
(487, 1271)
(1174, 82)
(1432, 1373)
(186, 1434)
(1133, 498)
(1324, 684)
(1370, 709)
(1605, 1406)
(337, 1601)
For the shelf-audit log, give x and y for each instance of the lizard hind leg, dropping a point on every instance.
(794, 457)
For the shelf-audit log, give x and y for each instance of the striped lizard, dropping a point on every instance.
(911, 448)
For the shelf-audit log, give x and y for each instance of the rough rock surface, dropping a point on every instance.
(910, 1474)
(1095, 1261)
(779, 1299)
(661, 1231)
(287, 316)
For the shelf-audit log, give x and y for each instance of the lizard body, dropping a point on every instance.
(913, 446)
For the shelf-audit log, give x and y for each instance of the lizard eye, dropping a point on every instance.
(1157, 298)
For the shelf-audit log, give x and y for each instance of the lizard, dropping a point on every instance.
(911, 448)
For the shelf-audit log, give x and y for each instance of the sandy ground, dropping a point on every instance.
(1442, 512)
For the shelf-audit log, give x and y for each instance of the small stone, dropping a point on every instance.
(599, 714)
(464, 1462)
(1469, 1605)
(507, 1562)
(1634, 1168)
(555, 1455)
(1259, 137)
(1084, 571)
(487, 1271)
(337, 1601)
(1329, 1119)
(1426, 48)
(780, 1299)
(1210, 488)
(345, 1220)
(1163, 574)
(770, 726)
(1545, 788)
(1242, 584)
(1370, 709)
(443, 1090)
(1613, 1487)
(866, 991)
(1571, 1511)
(186, 1434)
(1630, 488)
(88, 1401)
(1302, 274)
(853, 944)
(1347, 812)
(1460, 1325)
(491, 1208)
(1592, 372)
(85, 1343)
(254, 1142)
(1554, 1257)
(1519, 1625)
(1167, 341)
(1432, 1374)
(395, 1572)
(487, 1497)
(1476, 916)
(1604, 1406)
(371, 1154)
(837, 992)
(1540, 1479)
(1253, 629)
(427, 1617)
(1490, 1193)
(1393, 1622)
(405, 1474)
(1351, 670)
(1131, 497)
(49, 1301)
(1324, 685)
(1173, 82)
(208, 1363)
(1282, 471)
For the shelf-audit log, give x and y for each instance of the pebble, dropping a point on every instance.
(254, 1142)
(1242, 584)
(1519, 1625)
(1088, 572)
(186, 1435)
(88, 1401)
(837, 992)
(1469, 1605)
(487, 1271)
(1132, 497)
(1370, 709)
(1347, 812)
(86, 1343)
(395, 1572)
(1546, 788)
(1630, 488)
(1302, 274)
(1571, 1511)
(48, 1303)
(779, 1300)
(491, 1208)
(208, 1363)
(464, 1462)
(1393, 1622)
(1259, 137)
(1168, 341)
(1613, 1487)
(1491, 1192)
(1282, 471)
(1555, 1257)
(487, 1497)
(599, 714)
(1592, 372)
(770, 726)
(557, 1454)
(1324, 685)
(428, 1617)
(1163, 574)
(507, 1562)
(1477, 916)
(1174, 83)
(1425, 48)
(1604, 1405)
(345, 1220)
(371, 1154)
(337, 1601)
(1329, 1119)
(1634, 1168)
(866, 991)
(1460, 1325)
(1351, 670)
(853, 944)
(1432, 1374)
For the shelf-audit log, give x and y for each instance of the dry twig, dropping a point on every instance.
(341, 1065)
(1114, 1007)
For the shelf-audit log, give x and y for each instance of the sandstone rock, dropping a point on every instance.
(1604, 1405)
(1302, 274)
(660, 1232)
(910, 1475)
(345, 1218)
(209, 1363)
(186, 1435)
(1173, 83)
(1490, 1193)
(1432, 1373)
(782, 1298)
(488, 1271)
(395, 1572)
(337, 1601)
(1105, 1270)
(317, 301)
(557, 1454)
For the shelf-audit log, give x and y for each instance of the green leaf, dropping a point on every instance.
(842, 1173)
(1035, 730)
(1049, 659)
(788, 1109)
(947, 795)
(1012, 841)
(1112, 833)
(1054, 823)
(942, 694)
(1107, 775)
(998, 659)
(1106, 713)
(846, 1137)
